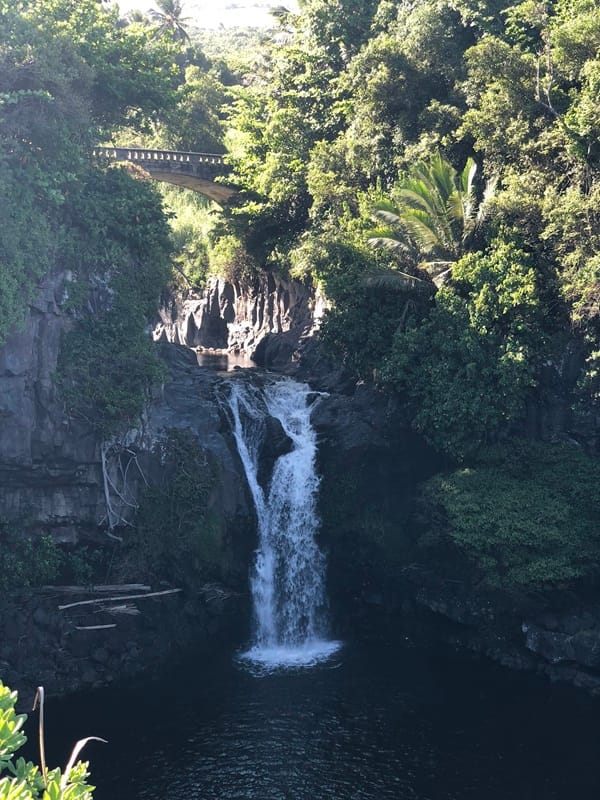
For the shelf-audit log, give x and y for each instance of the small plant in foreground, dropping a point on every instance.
(23, 780)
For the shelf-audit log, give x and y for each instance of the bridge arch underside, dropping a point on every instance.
(215, 191)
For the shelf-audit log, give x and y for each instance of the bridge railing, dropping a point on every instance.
(154, 156)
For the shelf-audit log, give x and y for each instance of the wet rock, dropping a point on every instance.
(100, 655)
(266, 316)
(276, 443)
(581, 646)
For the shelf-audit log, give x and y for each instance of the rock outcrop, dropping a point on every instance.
(49, 465)
(267, 318)
(52, 483)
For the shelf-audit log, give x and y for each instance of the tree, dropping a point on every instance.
(465, 370)
(437, 212)
(169, 19)
(195, 123)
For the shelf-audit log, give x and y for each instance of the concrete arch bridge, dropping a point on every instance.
(195, 171)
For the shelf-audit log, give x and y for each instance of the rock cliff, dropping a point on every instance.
(49, 465)
(267, 318)
(52, 483)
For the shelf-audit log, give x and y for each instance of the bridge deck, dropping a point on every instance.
(145, 154)
(195, 171)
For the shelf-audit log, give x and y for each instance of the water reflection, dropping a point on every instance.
(222, 361)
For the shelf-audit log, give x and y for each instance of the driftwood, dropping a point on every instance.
(124, 608)
(118, 598)
(95, 627)
(102, 588)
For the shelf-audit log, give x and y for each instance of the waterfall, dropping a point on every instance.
(288, 581)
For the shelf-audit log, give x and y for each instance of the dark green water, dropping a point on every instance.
(379, 721)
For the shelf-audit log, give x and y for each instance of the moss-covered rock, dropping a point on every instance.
(524, 517)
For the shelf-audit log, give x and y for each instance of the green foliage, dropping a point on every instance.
(192, 220)
(133, 74)
(527, 515)
(465, 369)
(25, 239)
(107, 369)
(359, 326)
(27, 561)
(292, 103)
(175, 536)
(572, 228)
(119, 251)
(67, 77)
(22, 780)
(437, 212)
(195, 123)
(328, 113)
(11, 736)
(170, 20)
(229, 258)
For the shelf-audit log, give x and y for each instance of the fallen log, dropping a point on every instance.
(94, 627)
(118, 598)
(115, 587)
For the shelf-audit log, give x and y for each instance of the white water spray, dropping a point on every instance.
(288, 584)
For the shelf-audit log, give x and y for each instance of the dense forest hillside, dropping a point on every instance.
(434, 167)
(461, 140)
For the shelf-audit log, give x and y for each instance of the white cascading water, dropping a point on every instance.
(288, 584)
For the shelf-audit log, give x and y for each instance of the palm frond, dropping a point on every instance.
(486, 201)
(416, 194)
(436, 207)
(469, 206)
(455, 207)
(442, 176)
(426, 231)
(385, 205)
(388, 243)
(467, 176)
(389, 217)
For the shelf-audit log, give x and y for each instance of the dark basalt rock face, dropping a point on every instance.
(267, 318)
(49, 465)
(51, 483)
(276, 443)
(86, 647)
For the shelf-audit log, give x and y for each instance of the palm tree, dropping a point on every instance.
(169, 19)
(137, 17)
(437, 214)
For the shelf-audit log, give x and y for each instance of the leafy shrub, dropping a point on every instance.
(22, 780)
(26, 561)
(191, 222)
(527, 515)
(230, 259)
(465, 370)
(359, 326)
(107, 367)
(175, 535)
(119, 250)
